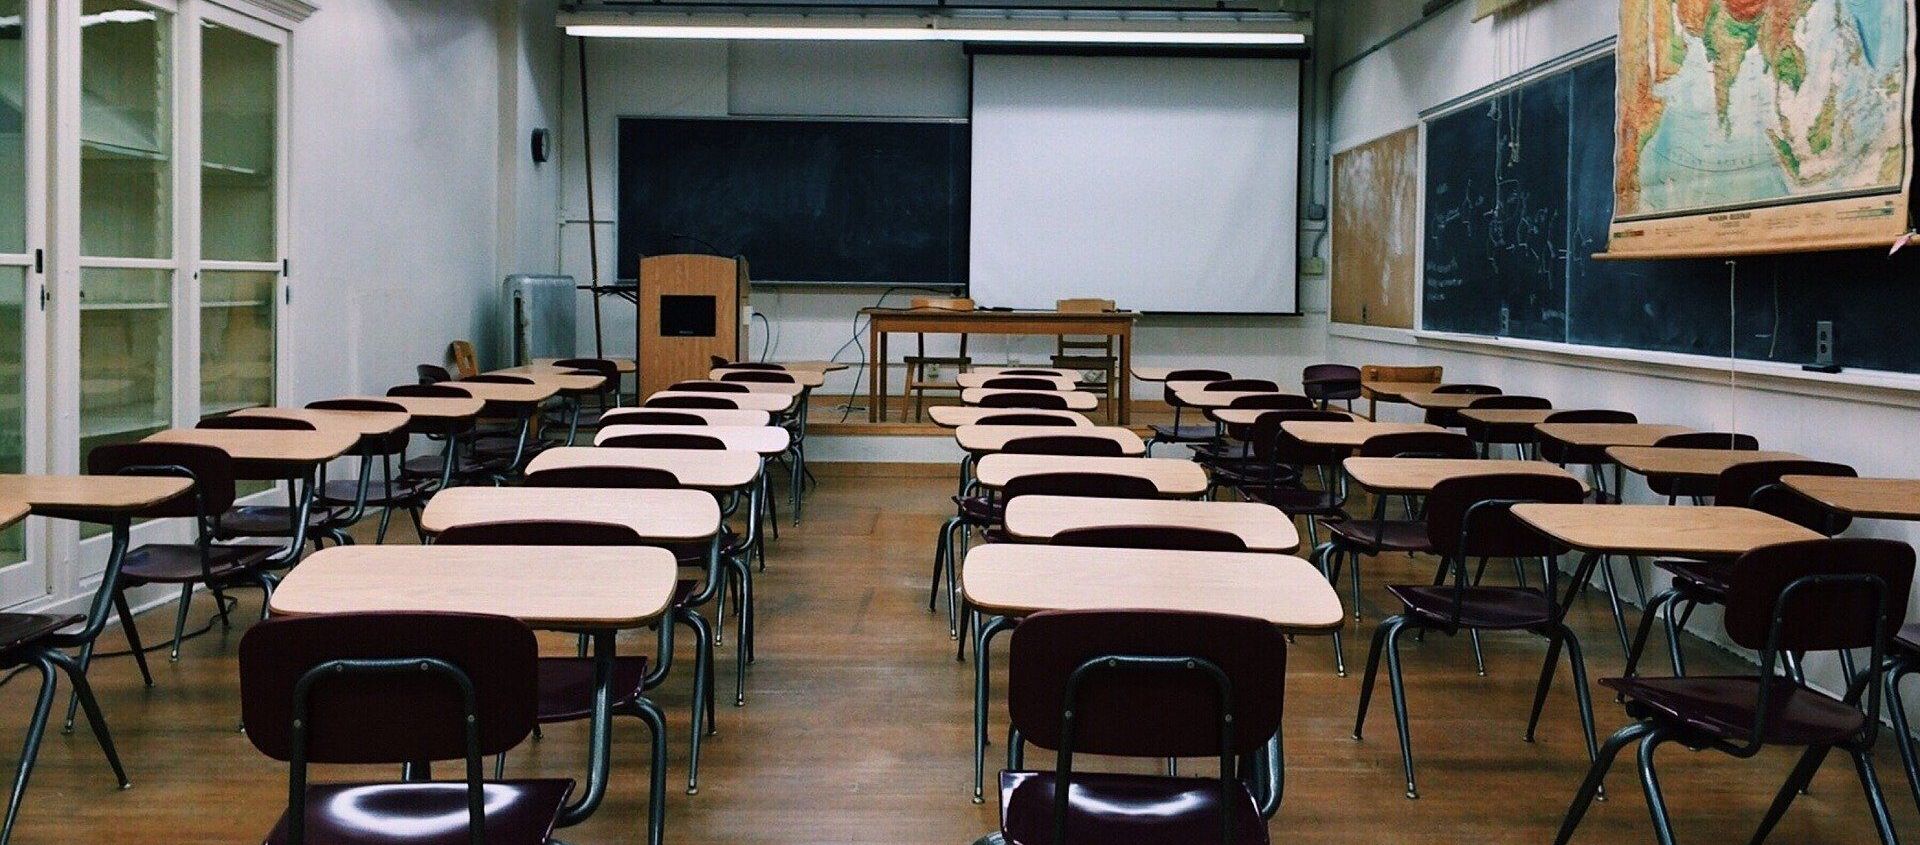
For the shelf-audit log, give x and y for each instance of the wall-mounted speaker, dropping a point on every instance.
(541, 145)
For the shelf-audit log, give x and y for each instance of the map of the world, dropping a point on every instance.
(1742, 104)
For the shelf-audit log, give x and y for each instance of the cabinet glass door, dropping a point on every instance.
(239, 217)
(126, 221)
(22, 361)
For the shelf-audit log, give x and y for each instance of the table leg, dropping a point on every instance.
(1126, 375)
(874, 370)
(599, 749)
(302, 508)
(122, 527)
(980, 687)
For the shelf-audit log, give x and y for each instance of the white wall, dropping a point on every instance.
(1830, 418)
(717, 78)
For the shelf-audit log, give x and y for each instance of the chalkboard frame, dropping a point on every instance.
(625, 274)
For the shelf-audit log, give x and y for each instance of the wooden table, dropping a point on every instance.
(780, 388)
(1155, 373)
(1249, 416)
(955, 416)
(359, 423)
(772, 403)
(1602, 435)
(602, 590)
(623, 365)
(1200, 397)
(1263, 528)
(1508, 416)
(713, 416)
(1077, 400)
(518, 395)
(1689, 463)
(431, 408)
(656, 515)
(1173, 478)
(1010, 580)
(567, 379)
(698, 468)
(882, 322)
(296, 457)
(1417, 476)
(1442, 401)
(1861, 498)
(11, 512)
(1652, 530)
(979, 379)
(765, 440)
(805, 378)
(987, 439)
(1348, 435)
(821, 366)
(1377, 392)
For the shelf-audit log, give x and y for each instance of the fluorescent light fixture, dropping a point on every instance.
(1211, 30)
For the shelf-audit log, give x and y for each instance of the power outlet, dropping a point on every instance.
(933, 372)
(1313, 265)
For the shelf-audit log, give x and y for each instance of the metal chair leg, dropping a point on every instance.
(656, 779)
(702, 687)
(1596, 777)
(1650, 783)
(36, 728)
(1547, 671)
(1796, 783)
(1648, 617)
(96, 720)
(180, 620)
(132, 632)
(1876, 801)
(1479, 658)
(1903, 734)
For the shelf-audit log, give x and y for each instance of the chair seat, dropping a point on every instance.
(1493, 608)
(179, 563)
(270, 521)
(430, 466)
(1376, 535)
(980, 510)
(1698, 577)
(566, 686)
(518, 812)
(1183, 433)
(20, 631)
(1725, 707)
(1297, 501)
(400, 491)
(1134, 809)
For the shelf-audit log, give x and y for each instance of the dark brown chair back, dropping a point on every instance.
(432, 373)
(498, 378)
(1273, 445)
(1757, 485)
(1042, 401)
(1710, 440)
(1176, 537)
(251, 423)
(1418, 444)
(1273, 402)
(1138, 712)
(1593, 416)
(1020, 372)
(1019, 383)
(1095, 485)
(760, 376)
(710, 403)
(421, 715)
(721, 363)
(1476, 389)
(1243, 384)
(1460, 526)
(665, 440)
(1064, 444)
(1844, 614)
(538, 532)
(1330, 382)
(1527, 403)
(598, 366)
(1026, 419)
(649, 416)
(641, 478)
(1557, 452)
(1199, 375)
(210, 468)
(393, 443)
(430, 391)
(710, 386)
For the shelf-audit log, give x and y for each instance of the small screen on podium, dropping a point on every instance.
(687, 316)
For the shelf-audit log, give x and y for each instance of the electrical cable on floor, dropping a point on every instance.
(160, 646)
(859, 322)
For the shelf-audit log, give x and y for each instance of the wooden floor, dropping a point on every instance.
(857, 729)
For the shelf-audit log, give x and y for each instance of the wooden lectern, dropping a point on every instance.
(691, 308)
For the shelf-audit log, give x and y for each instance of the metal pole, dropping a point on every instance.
(593, 218)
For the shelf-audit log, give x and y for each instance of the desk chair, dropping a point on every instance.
(1178, 433)
(795, 423)
(516, 442)
(391, 491)
(649, 416)
(456, 462)
(917, 382)
(1594, 458)
(1697, 489)
(1783, 600)
(1136, 683)
(711, 403)
(1387, 373)
(1034, 400)
(1450, 418)
(33, 639)
(1518, 435)
(606, 398)
(1696, 582)
(1471, 517)
(443, 686)
(566, 683)
(1089, 354)
(465, 361)
(1019, 383)
(324, 523)
(1905, 651)
(432, 374)
(1181, 537)
(1326, 383)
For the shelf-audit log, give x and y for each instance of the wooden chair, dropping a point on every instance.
(1089, 354)
(917, 381)
(1383, 372)
(465, 363)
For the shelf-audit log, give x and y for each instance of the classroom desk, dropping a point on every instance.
(656, 515)
(519, 397)
(1214, 400)
(713, 416)
(1861, 498)
(1262, 527)
(1153, 373)
(764, 440)
(1249, 416)
(1441, 401)
(882, 322)
(1173, 478)
(1509, 416)
(296, 457)
(1077, 400)
(1391, 392)
(702, 469)
(772, 403)
(567, 379)
(808, 379)
(432, 408)
(820, 366)
(1689, 463)
(955, 416)
(1345, 435)
(979, 379)
(779, 388)
(1602, 435)
(602, 590)
(359, 423)
(109, 500)
(987, 439)
(623, 365)
(11, 512)
(1417, 476)
(1651, 531)
(1011, 580)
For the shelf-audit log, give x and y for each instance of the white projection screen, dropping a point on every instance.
(1166, 184)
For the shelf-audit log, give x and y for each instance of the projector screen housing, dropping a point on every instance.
(1167, 183)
